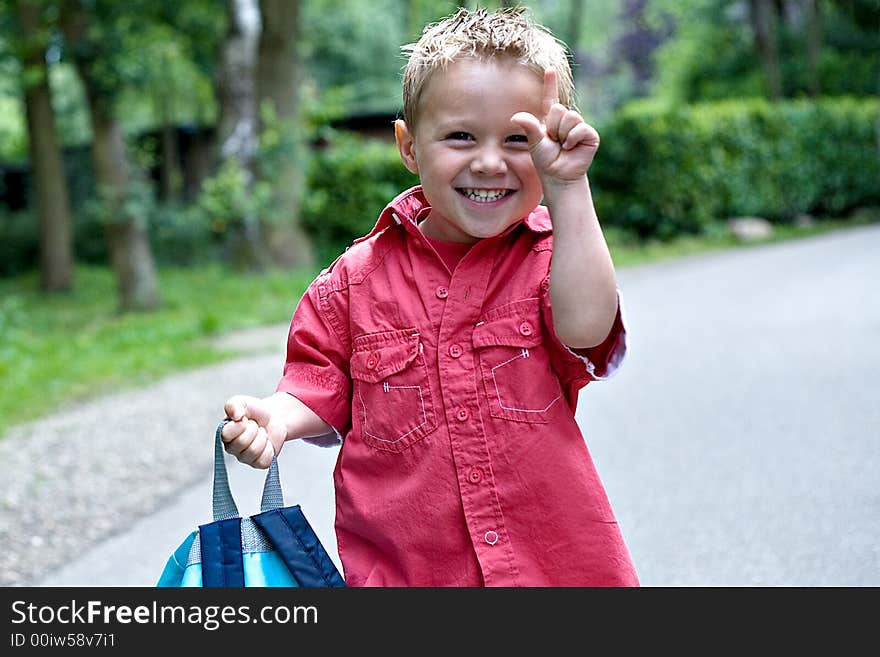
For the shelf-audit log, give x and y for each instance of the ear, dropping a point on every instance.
(406, 145)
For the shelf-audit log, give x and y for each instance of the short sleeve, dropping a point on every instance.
(577, 367)
(318, 352)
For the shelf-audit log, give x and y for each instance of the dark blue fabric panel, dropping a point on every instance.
(299, 547)
(221, 553)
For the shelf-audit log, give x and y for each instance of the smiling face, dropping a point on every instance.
(473, 163)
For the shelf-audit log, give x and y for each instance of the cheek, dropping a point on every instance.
(526, 172)
(522, 163)
(438, 163)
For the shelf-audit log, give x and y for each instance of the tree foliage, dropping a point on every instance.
(153, 65)
(712, 53)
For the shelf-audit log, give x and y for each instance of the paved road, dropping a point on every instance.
(740, 444)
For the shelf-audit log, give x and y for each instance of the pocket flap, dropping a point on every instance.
(379, 355)
(516, 324)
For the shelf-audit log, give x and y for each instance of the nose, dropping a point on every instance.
(489, 161)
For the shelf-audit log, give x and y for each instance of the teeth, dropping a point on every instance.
(484, 195)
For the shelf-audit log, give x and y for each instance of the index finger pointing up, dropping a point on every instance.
(551, 91)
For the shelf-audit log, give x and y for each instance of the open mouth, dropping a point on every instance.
(484, 195)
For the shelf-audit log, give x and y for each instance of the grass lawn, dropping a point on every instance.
(58, 350)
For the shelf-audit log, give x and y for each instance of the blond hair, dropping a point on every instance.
(481, 34)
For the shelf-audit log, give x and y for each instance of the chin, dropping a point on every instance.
(497, 229)
(491, 233)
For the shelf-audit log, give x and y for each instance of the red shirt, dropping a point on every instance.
(462, 463)
(450, 252)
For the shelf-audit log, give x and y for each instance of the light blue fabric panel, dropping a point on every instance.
(176, 564)
(266, 569)
(192, 576)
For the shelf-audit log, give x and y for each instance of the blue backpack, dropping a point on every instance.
(276, 547)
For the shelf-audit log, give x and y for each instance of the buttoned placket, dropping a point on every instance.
(460, 394)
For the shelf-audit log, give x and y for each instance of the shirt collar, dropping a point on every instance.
(411, 205)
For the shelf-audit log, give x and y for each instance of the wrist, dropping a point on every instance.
(556, 190)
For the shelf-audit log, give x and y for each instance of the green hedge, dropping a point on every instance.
(349, 184)
(663, 172)
(178, 235)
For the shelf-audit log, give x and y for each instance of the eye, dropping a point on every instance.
(459, 136)
(518, 139)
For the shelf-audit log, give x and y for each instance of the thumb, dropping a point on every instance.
(258, 411)
(238, 406)
(530, 125)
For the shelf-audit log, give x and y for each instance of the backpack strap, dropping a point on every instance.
(222, 563)
(223, 504)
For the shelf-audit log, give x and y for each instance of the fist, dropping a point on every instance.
(561, 143)
(253, 436)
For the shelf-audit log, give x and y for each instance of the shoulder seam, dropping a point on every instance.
(375, 259)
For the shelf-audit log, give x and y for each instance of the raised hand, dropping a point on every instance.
(561, 143)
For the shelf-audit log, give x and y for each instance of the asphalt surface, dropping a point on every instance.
(740, 442)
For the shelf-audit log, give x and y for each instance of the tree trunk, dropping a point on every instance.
(170, 171)
(814, 45)
(52, 199)
(237, 132)
(764, 19)
(137, 283)
(170, 174)
(278, 89)
(127, 238)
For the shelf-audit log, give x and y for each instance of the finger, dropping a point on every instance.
(567, 122)
(553, 121)
(232, 430)
(583, 133)
(530, 125)
(265, 459)
(551, 91)
(254, 451)
(244, 440)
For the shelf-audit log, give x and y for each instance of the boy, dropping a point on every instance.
(441, 349)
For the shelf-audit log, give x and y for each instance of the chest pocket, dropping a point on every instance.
(392, 403)
(519, 382)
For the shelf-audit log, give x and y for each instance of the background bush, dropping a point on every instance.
(666, 171)
(663, 171)
(19, 242)
(349, 183)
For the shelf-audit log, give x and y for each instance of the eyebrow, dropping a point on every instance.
(453, 124)
(464, 125)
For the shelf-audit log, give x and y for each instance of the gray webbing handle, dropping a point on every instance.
(223, 505)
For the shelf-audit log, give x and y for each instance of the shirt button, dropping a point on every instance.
(372, 361)
(525, 328)
(475, 475)
(491, 537)
(441, 292)
(462, 414)
(455, 350)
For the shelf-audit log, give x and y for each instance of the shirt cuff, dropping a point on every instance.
(332, 439)
(604, 360)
